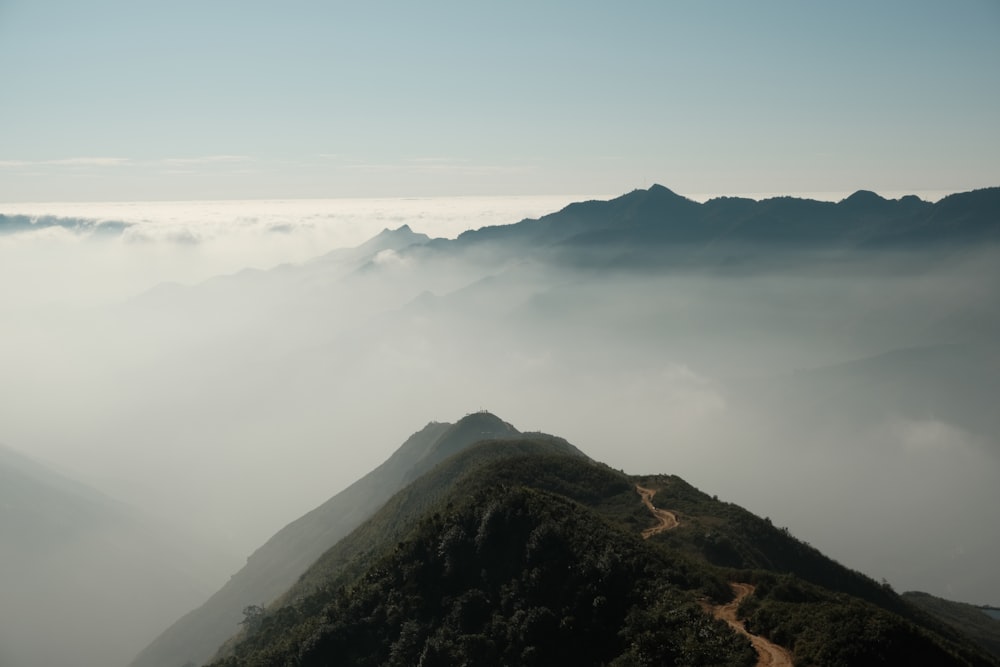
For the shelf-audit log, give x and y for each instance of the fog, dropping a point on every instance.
(847, 399)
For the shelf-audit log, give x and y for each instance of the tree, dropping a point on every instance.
(253, 617)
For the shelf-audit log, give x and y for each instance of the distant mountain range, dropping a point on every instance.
(477, 544)
(654, 227)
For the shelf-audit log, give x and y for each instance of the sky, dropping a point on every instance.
(118, 100)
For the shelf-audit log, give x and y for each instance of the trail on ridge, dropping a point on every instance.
(666, 519)
(769, 654)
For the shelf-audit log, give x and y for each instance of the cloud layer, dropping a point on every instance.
(852, 405)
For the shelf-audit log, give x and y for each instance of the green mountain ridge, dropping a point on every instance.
(524, 551)
(277, 564)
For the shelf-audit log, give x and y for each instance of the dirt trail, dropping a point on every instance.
(667, 520)
(769, 654)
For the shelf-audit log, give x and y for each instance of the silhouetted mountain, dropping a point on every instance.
(388, 239)
(276, 565)
(657, 227)
(523, 551)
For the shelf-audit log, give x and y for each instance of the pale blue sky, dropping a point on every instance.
(219, 99)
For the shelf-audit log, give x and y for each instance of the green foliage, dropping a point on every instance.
(967, 618)
(524, 552)
(513, 576)
(803, 598)
(253, 618)
(729, 536)
(349, 557)
(657, 634)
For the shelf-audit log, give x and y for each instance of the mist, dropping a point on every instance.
(226, 374)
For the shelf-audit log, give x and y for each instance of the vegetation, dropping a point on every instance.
(971, 620)
(523, 551)
(513, 576)
(279, 563)
(829, 628)
(397, 517)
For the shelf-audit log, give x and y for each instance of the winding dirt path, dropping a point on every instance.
(666, 519)
(769, 654)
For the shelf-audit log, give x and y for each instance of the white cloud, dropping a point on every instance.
(206, 159)
(388, 257)
(68, 162)
(108, 161)
(91, 161)
(229, 236)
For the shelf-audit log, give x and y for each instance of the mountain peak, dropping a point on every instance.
(656, 188)
(401, 233)
(403, 229)
(657, 192)
(479, 414)
(863, 198)
(471, 428)
(487, 419)
(393, 239)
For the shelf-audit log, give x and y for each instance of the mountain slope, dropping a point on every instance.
(971, 620)
(535, 556)
(282, 559)
(82, 565)
(397, 517)
(463, 557)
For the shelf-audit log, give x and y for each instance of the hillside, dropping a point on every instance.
(523, 551)
(971, 620)
(277, 564)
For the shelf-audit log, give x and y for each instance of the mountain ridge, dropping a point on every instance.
(531, 535)
(660, 217)
(276, 565)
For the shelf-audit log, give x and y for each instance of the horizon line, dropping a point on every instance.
(927, 194)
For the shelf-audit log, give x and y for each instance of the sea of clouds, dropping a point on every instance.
(232, 406)
(88, 253)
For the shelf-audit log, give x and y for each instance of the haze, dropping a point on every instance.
(805, 391)
(188, 343)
